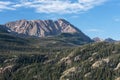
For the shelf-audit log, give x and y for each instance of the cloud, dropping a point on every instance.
(5, 5)
(117, 20)
(74, 16)
(58, 6)
(94, 30)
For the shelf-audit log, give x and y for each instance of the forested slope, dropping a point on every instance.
(94, 61)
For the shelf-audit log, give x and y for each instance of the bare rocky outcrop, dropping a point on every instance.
(118, 78)
(87, 74)
(67, 59)
(41, 28)
(117, 67)
(7, 68)
(67, 72)
(99, 63)
(106, 60)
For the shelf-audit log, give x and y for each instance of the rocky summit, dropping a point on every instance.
(43, 28)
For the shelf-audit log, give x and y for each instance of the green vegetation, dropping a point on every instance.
(56, 59)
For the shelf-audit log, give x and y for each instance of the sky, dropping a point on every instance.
(96, 18)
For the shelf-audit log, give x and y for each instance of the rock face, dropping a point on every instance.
(67, 73)
(117, 67)
(97, 39)
(98, 64)
(43, 28)
(118, 78)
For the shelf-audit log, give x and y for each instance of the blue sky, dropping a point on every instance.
(96, 18)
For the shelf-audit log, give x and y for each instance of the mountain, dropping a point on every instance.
(13, 40)
(41, 28)
(45, 28)
(110, 40)
(97, 39)
(4, 29)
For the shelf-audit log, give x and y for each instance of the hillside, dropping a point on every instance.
(65, 55)
(13, 44)
(96, 61)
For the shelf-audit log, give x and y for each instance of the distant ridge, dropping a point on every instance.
(97, 39)
(110, 40)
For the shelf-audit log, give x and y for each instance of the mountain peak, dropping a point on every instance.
(97, 39)
(43, 28)
(61, 19)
